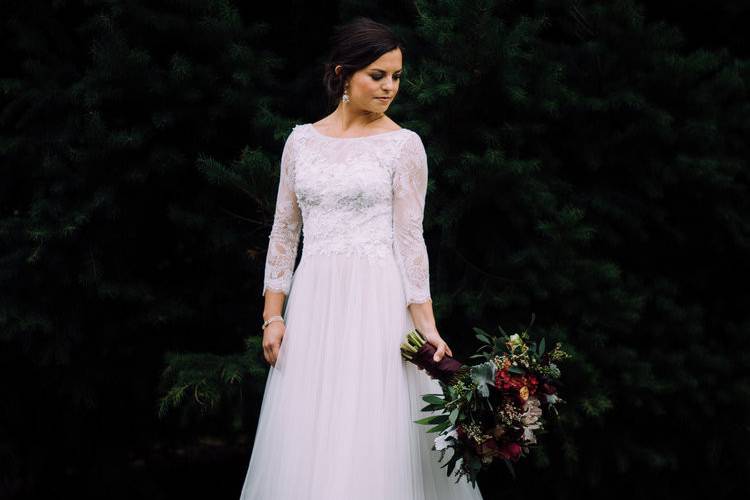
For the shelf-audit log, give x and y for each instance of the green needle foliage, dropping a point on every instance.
(585, 166)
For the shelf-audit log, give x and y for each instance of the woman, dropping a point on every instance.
(337, 417)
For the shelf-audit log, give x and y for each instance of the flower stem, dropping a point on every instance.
(414, 341)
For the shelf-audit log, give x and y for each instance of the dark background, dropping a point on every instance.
(588, 163)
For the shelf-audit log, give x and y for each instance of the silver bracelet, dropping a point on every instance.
(270, 320)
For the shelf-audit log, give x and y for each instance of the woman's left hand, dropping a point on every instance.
(440, 345)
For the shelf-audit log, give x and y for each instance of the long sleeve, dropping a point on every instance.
(409, 192)
(287, 225)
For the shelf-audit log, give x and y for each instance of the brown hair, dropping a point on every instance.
(355, 45)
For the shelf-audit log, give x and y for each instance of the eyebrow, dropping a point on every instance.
(384, 71)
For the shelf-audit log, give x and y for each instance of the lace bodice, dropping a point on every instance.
(354, 196)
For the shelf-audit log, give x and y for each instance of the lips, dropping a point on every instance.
(383, 98)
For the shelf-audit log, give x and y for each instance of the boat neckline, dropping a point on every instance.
(321, 134)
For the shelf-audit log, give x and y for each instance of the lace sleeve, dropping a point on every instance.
(287, 225)
(409, 192)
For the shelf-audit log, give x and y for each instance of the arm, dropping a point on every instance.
(409, 193)
(286, 229)
(282, 251)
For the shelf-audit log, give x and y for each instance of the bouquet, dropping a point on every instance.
(493, 409)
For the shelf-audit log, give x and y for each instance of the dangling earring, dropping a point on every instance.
(345, 97)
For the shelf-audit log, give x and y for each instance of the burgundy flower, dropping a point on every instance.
(533, 383)
(487, 448)
(547, 388)
(521, 387)
(510, 451)
(517, 393)
(461, 432)
(508, 382)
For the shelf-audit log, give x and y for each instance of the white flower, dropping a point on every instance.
(530, 419)
(533, 411)
(528, 436)
(441, 440)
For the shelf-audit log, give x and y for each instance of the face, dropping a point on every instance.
(381, 78)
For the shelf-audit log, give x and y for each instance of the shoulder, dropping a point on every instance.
(300, 132)
(413, 146)
(293, 136)
(290, 149)
(413, 138)
(411, 161)
(296, 130)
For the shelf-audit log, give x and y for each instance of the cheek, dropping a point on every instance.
(373, 86)
(366, 87)
(369, 89)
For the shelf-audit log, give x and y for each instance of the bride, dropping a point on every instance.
(337, 416)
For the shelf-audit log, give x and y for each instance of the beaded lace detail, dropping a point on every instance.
(361, 196)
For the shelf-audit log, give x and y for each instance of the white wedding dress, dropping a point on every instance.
(337, 416)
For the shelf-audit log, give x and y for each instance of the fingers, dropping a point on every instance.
(271, 353)
(275, 353)
(441, 346)
(442, 350)
(272, 338)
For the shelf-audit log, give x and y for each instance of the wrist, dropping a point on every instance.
(270, 314)
(428, 330)
(271, 320)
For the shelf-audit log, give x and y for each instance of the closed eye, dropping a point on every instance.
(395, 77)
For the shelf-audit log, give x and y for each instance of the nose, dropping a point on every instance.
(390, 83)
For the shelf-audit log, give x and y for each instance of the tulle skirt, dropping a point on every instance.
(338, 411)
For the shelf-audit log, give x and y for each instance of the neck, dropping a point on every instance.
(346, 117)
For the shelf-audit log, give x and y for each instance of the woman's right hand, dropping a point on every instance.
(272, 336)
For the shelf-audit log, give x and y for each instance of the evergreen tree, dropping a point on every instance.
(116, 244)
(587, 168)
(587, 164)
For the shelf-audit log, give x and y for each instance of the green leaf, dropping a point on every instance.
(541, 347)
(483, 390)
(433, 419)
(482, 335)
(432, 407)
(452, 462)
(440, 427)
(454, 416)
(483, 374)
(499, 345)
(434, 399)
(510, 467)
(451, 466)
